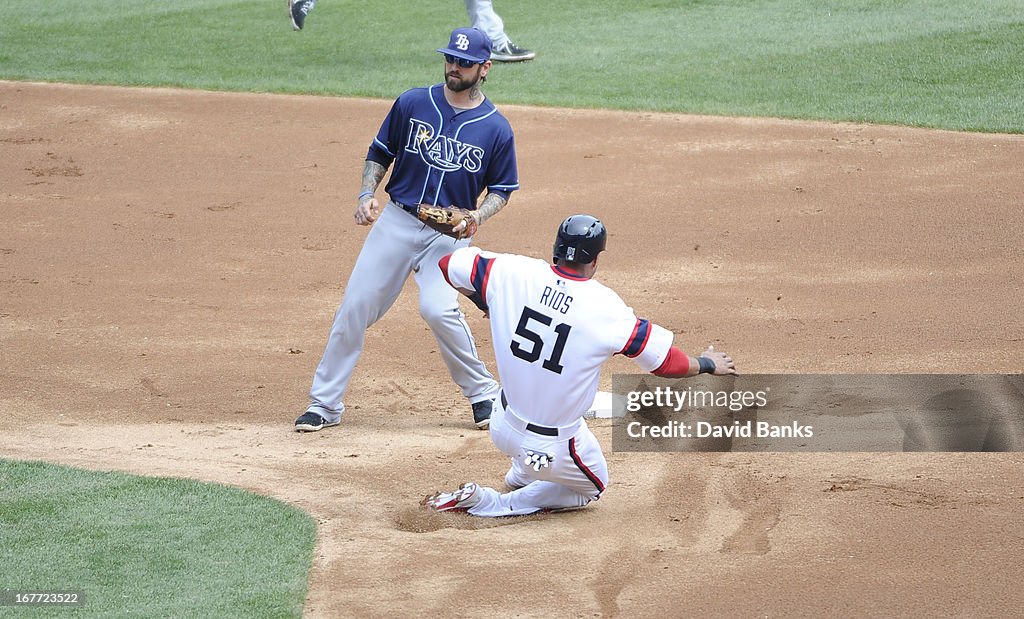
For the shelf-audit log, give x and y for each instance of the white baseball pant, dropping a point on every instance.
(576, 475)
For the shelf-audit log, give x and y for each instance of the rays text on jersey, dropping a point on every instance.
(440, 151)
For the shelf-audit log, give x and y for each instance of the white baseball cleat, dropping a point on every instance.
(460, 500)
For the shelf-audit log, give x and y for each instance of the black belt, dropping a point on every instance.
(532, 427)
(412, 210)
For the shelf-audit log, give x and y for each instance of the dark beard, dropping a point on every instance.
(456, 84)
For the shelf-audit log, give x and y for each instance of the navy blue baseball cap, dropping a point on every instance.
(469, 44)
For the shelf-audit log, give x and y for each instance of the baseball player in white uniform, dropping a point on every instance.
(553, 327)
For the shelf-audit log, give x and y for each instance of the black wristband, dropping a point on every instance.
(707, 366)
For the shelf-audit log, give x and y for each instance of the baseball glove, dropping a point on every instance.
(451, 221)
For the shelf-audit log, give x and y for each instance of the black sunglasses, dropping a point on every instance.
(462, 62)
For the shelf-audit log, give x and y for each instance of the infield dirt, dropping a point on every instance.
(170, 262)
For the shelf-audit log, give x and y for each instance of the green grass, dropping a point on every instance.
(150, 547)
(936, 63)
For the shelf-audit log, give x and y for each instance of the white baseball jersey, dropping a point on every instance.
(552, 330)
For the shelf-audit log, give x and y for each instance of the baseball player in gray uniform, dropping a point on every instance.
(553, 327)
(481, 15)
(446, 145)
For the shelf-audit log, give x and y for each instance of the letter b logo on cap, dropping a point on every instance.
(462, 42)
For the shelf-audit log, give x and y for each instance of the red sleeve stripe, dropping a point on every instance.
(443, 263)
(638, 340)
(479, 276)
(481, 273)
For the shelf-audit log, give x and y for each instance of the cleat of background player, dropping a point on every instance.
(298, 10)
(510, 52)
